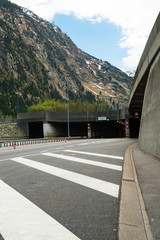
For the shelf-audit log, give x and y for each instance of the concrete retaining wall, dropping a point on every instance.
(150, 51)
(49, 130)
(145, 94)
(149, 136)
(11, 130)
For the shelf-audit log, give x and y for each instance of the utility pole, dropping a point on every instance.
(17, 102)
(68, 109)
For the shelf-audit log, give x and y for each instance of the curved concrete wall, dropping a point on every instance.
(150, 51)
(148, 56)
(147, 84)
(149, 136)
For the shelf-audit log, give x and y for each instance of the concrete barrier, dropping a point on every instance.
(19, 143)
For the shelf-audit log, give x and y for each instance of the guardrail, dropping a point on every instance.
(8, 120)
(28, 142)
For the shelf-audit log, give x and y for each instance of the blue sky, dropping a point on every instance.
(115, 31)
(99, 39)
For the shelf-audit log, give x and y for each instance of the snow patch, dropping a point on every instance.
(98, 86)
(55, 28)
(92, 91)
(109, 95)
(94, 72)
(99, 67)
(88, 62)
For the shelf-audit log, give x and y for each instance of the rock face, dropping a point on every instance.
(37, 59)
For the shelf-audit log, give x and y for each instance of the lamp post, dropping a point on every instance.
(17, 102)
(68, 109)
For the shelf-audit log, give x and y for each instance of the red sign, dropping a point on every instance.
(136, 114)
(127, 124)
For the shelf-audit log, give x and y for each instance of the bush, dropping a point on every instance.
(74, 106)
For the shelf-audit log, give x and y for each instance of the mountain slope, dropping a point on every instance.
(37, 59)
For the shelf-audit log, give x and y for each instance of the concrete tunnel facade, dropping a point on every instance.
(49, 124)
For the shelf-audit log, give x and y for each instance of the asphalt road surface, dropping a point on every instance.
(61, 191)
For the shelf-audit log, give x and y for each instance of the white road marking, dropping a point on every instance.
(44, 151)
(85, 161)
(101, 141)
(81, 144)
(96, 154)
(3, 160)
(95, 184)
(20, 219)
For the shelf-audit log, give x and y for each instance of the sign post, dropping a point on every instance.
(89, 130)
(127, 128)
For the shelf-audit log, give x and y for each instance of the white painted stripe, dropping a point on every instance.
(96, 184)
(20, 219)
(4, 160)
(81, 144)
(96, 154)
(85, 161)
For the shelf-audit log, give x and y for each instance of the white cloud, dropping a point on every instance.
(135, 18)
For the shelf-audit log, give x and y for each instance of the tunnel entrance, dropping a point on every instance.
(110, 129)
(36, 130)
(134, 125)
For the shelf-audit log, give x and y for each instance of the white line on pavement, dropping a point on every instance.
(96, 154)
(85, 161)
(3, 160)
(44, 151)
(20, 219)
(81, 144)
(93, 183)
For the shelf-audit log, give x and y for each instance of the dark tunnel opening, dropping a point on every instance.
(134, 125)
(36, 130)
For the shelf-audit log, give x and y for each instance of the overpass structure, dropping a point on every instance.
(144, 101)
(54, 124)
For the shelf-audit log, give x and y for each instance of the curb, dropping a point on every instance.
(133, 218)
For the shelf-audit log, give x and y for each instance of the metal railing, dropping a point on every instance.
(8, 120)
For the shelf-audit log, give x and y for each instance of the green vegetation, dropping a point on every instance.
(74, 106)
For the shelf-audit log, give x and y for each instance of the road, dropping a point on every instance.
(61, 191)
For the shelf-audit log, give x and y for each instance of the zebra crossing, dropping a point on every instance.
(21, 219)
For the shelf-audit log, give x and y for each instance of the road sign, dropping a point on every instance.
(102, 118)
(127, 124)
(136, 115)
(88, 126)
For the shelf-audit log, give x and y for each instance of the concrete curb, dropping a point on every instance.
(133, 219)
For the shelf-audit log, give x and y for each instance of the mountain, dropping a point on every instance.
(37, 60)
